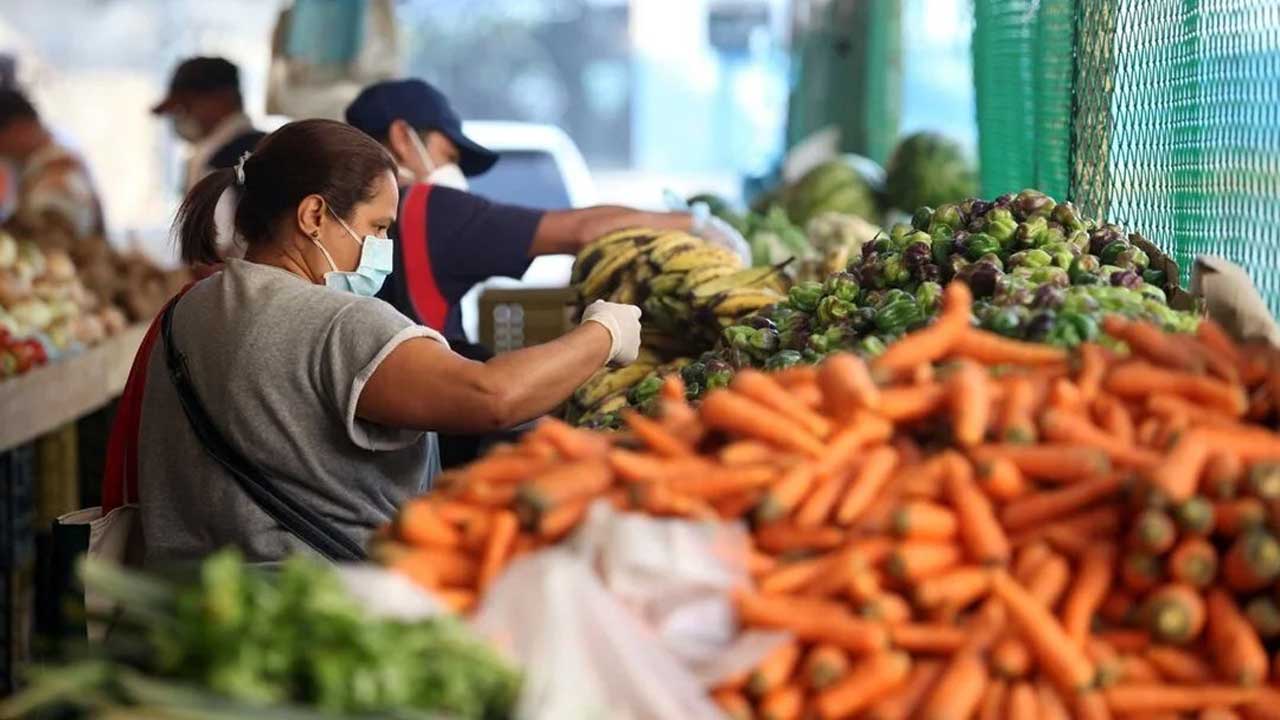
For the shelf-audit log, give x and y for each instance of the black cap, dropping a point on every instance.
(199, 74)
(422, 106)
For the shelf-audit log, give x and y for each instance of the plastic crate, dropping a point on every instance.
(519, 317)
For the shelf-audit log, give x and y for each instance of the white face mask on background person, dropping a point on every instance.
(187, 128)
(449, 175)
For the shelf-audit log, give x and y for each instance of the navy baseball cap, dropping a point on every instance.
(425, 108)
(196, 75)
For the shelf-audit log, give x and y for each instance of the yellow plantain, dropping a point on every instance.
(607, 273)
(607, 381)
(755, 277)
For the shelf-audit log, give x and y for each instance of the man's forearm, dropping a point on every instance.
(568, 231)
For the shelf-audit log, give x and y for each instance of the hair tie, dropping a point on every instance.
(240, 168)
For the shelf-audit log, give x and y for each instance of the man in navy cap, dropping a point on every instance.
(450, 239)
(207, 110)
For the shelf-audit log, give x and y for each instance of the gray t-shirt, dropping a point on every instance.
(279, 363)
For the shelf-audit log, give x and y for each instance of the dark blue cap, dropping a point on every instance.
(422, 106)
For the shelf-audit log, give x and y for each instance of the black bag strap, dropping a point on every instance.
(314, 530)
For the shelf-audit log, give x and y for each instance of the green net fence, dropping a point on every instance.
(1160, 114)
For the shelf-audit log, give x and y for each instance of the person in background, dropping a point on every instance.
(56, 200)
(206, 109)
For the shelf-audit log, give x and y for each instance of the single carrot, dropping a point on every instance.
(923, 520)
(1218, 713)
(775, 670)
(1110, 667)
(418, 523)
(903, 404)
(785, 537)
(1178, 474)
(1052, 706)
(1091, 705)
(1001, 479)
(847, 386)
(791, 576)
(573, 443)
(729, 411)
(991, 349)
(1216, 340)
(1223, 474)
(1119, 607)
(1010, 658)
(451, 566)
(655, 436)
(1193, 561)
(886, 607)
(817, 507)
(969, 391)
(784, 703)
(1175, 613)
(557, 523)
(1140, 571)
(1232, 518)
(1179, 665)
(1067, 427)
(1016, 421)
(1049, 581)
(934, 342)
(1023, 703)
(717, 482)
(763, 389)
(1136, 379)
(1092, 583)
(1148, 341)
(959, 690)
(565, 483)
(877, 519)
(1252, 562)
(1139, 698)
(1050, 462)
(418, 567)
(1029, 559)
(811, 622)
(923, 480)
(502, 535)
(1126, 640)
(780, 499)
(673, 388)
(746, 452)
(1073, 533)
(1055, 504)
(1249, 442)
(759, 564)
(1115, 419)
(459, 600)
(876, 470)
(1092, 361)
(915, 560)
(735, 505)
(1263, 614)
(901, 704)
(733, 704)
(1235, 646)
(868, 681)
(824, 665)
(1062, 659)
(1195, 516)
(842, 449)
(501, 469)
(1153, 531)
(1065, 396)
(984, 538)
(928, 638)
(1264, 480)
(1267, 707)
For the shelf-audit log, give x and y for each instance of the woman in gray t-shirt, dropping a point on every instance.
(331, 393)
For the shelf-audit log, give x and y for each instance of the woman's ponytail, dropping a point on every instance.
(197, 229)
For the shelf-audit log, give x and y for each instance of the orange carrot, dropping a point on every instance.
(1215, 339)
(923, 520)
(1091, 705)
(1050, 462)
(934, 342)
(1055, 504)
(847, 386)
(775, 670)
(887, 607)
(1069, 427)
(734, 505)
(1052, 706)
(1140, 571)
(816, 508)
(790, 577)
(758, 563)
(1110, 667)
(1010, 657)
(1001, 479)
(729, 411)
(746, 452)
(867, 682)
(991, 349)
(783, 496)
(416, 566)
(1140, 380)
(924, 480)
(573, 443)
(655, 436)
(418, 523)
(732, 703)
(458, 600)
(717, 482)
(501, 469)
(1029, 559)
(1222, 475)
(1092, 582)
(901, 704)
(1233, 517)
(1064, 396)
(1126, 699)
(1114, 418)
(1175, 613)
(1073, 533)
(902, 404)
(824, 665)
(876, 470)
(1062, 659)
(1236, 648)
(968, 388)
(763, 389)
(1023, 703)
(959, 690)
(983, 536)
(784, 703)
(502, 535)
(821, 623)
(1179, 665)
(928, 638)
(1153, 531)
(1049, 581)
(1179, 473)
(1194, 562)
(785, 537)
(563, 519)
(915, 560)
(566, 482)
(451, 567)
(673, 388)
(842, 449)
(1148, 341)
(1218, 713)
(1093, 366)
(1016, 417)
(1252, 562)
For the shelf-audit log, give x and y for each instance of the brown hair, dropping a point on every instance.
(309, 157)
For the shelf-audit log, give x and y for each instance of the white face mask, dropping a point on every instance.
(187, 128)
(449, 175)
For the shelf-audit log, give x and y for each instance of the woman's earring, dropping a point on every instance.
(315, 234)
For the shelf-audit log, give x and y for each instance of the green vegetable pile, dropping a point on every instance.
(241, 642)
(928, 169)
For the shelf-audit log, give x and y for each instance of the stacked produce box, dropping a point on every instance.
(967, 525)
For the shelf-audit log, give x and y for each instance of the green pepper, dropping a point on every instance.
(1051, 236)
(942, 249)
(1132, 258)
(1079, 239)
(832, 310)
(1065, 214)
(898, 232)
(1033, 203)
(842, 285)
(1153, 292)
(870, 347)
(890, 296)
(1112, 250)
(819, 344)
(981, 244)
(1028, 233)
(805, 296)
(764, 341)
(882, 244)
(899, 316)
(893, 271)
(783, 359)
(1086, 325)
(954, 266)
(912, 238)
(1034, 258)
(1051, 275)
(644, 390)
(1154, 277)
(1001, 225)
(1008, 321)
(1085, 265)
(922, 217)
(1061, 253)
(929, 297)
(738, 336)
(946, 215)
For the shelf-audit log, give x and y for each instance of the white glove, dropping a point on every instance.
(623, 324)
(718, 232)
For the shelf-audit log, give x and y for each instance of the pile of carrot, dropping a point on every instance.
(966, 527)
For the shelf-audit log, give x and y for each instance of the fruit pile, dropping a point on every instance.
(966, 526)
(689, 291)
